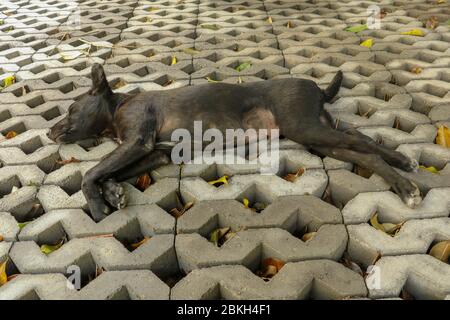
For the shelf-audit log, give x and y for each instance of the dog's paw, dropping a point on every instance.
(412, 165)
(99, 210)
(114, 194)
(408, 192)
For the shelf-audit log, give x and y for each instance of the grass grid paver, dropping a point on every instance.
(395, 91)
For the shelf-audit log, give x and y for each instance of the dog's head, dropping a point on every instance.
(88, 116)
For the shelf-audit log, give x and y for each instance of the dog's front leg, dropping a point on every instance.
(124, 155)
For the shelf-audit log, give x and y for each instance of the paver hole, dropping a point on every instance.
(51, 113)
(72, 184)
(67, 87)
(255, 199)
(38, 69)
(34, 102)
(172, 280)
(51, 78)
(88, 267)
(4, 115)
(131, 236)
(31, 145)
(12, 184)
(17, 128)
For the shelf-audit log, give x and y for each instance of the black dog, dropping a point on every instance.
(139, 122)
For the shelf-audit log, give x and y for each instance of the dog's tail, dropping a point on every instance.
(331, 91)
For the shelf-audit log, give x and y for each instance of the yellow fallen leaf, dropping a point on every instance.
(9, 80)
(246, 202)
(414, 32)
(190, 51)
(23, 224)
(140, 243)
(47, 249)
(3, 275)
(211, 80)
(388, 228)
(416, 70)
(441, 251)
(217, 236)
(308, 236)
(174, 60)
(430, 169)
(374, 222)
(443, 137)
(367, 43)
(269, 20)
(221, 180)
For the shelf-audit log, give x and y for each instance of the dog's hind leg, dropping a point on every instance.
(406, 190)
(316, 135)
(394, 158)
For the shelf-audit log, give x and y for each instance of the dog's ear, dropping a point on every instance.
(99, 83)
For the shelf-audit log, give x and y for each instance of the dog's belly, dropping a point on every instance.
(257, 123)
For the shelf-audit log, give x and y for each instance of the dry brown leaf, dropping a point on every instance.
(143, 182)
(119, 84)
(293, 176)
(289, 25)
(383, 13)
(11, 134)
(175, 212)
(106, 235)
(270, 267)
(1, 238)
(432, 23)
(217, 236)
(12, 276)
(71, 160)
(98, 271)
(405, 295)
(441, 251)
(443, 137)
(140, 243)
(346, 261)
(308, 236)
(168, 83)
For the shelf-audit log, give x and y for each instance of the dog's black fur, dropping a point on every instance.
(139, 122)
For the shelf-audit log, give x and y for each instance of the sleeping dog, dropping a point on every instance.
(293, 106)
